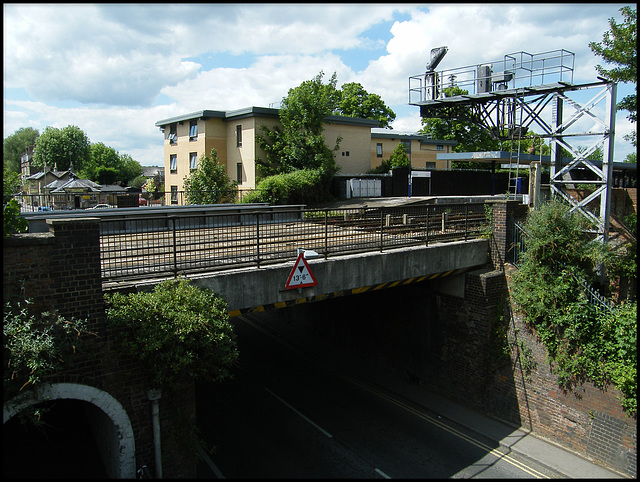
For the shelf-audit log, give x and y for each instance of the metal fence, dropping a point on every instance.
(136, 247)
(517, 247)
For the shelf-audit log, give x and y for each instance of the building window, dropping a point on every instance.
(430, 166)
(379, 150)
(193, 130)
(439, 147)
(173, 163)
(174, 194)
(238, 136)
(173, 134)
(193, 161)
(345, 154)
(239, 172)
(407, 146)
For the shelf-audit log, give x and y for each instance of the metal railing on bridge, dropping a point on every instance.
(134, 248)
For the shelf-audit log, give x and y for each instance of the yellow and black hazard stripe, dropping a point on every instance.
(336, 294)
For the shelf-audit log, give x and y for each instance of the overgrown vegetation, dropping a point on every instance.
(583, 341)
(178, 331)
(304, 186)
(36, 346)
(11, 220)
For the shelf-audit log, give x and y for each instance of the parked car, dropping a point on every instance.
(142, 201)
(102, 206)
(44, 208)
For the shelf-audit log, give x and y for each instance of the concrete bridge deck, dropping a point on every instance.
(362, 255)
(248, 255)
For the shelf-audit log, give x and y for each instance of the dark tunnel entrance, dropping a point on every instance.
(60, 445)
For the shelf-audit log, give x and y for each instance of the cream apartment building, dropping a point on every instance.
(422, 150)
(234, 136)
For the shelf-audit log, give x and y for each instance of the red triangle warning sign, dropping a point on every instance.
(301, 275)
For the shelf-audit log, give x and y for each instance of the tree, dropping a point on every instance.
(209, 183)
(470, 137)
(399, 157)
(15, 145)
(179, 332)
(10, 184)
(619, 47)
(60, 147)
(108, 166)
(306, 106)
(129, 169)
(299, 143)
(101, 157)
(105, 175)
(357, 102)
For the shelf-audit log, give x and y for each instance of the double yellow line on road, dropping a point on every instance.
(490, 450)
(495, 452)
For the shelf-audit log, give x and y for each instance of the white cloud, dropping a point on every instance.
(265, 82)
(103, 67)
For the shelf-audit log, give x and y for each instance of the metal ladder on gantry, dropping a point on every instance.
(510, 97)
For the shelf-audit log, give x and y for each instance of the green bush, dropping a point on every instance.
(179, 332)
(36, 346)
(304, 186)
(11, 220)
(383, 168)
(583, 341)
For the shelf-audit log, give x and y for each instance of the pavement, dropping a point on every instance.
(515, 440)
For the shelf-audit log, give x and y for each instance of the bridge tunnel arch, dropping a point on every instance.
(106, 418)
(396, 324)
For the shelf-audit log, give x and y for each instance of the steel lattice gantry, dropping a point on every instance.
(532, 92)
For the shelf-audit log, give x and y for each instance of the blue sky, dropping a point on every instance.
(115, 69)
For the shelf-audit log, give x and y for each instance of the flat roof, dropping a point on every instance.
(201, 114)
(419, 137)
(259, 112)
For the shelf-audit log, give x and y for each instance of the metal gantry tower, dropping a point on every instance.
(510, 97)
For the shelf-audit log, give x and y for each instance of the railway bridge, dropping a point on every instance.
(246, 254)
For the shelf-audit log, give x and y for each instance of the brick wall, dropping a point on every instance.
(587, 420)
(60, 271)
(462, 361)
